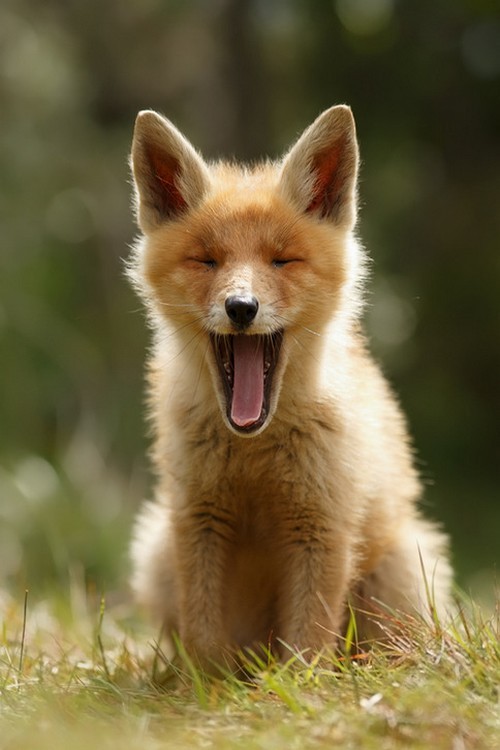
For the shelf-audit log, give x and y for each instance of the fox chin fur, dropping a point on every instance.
(286, 486)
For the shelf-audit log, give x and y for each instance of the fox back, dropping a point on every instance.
(286, 484)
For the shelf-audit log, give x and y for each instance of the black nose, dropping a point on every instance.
(241, 310)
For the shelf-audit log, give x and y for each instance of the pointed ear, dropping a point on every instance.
(169, 176)
(319, 173)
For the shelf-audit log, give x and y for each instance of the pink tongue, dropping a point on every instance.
(248, 379)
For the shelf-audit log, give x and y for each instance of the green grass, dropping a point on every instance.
(85, 676)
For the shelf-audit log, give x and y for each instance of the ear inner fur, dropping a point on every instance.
(165, 172)
(327, 189)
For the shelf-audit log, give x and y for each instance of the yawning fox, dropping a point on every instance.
(286, 485)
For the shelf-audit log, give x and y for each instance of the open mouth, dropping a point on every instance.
(246, 366)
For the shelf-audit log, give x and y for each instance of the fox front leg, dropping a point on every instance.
(203, 538)
(317, 564)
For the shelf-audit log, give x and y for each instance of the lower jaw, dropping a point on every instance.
(251, 429)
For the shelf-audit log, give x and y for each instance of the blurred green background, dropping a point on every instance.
(242, 78)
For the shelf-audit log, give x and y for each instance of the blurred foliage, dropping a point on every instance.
(240, 77)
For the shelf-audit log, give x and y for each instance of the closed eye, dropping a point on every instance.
(207, 262)
(280, 263)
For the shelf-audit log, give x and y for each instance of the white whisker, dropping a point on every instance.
(306, 350)
(166, 336)
(177, 304)
(283, 322)
(309, 330)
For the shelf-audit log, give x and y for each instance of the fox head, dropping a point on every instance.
(244, 265)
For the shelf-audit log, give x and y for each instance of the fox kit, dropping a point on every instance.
(286, 486)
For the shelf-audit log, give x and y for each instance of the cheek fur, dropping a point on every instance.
(175, 278)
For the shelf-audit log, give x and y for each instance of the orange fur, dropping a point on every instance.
(265, 525)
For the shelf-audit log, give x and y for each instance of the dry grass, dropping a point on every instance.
(74, 676)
